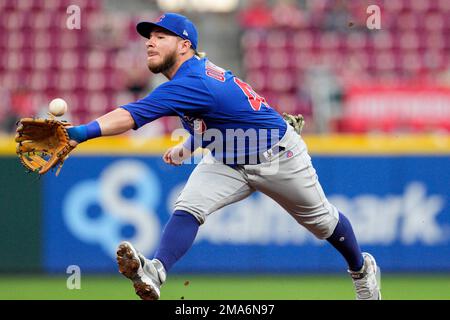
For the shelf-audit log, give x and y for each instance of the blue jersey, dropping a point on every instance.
(208, 99)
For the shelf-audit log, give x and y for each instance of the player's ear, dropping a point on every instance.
(185, 45)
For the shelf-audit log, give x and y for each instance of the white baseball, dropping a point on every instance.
(57, 107)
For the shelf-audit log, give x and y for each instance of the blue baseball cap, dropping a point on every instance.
(173, 22)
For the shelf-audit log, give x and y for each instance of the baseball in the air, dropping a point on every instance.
(57, 107)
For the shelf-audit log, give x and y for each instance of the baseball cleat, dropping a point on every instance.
(367, 280)
(147, 275)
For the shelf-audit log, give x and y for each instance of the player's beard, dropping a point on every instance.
(167, 63)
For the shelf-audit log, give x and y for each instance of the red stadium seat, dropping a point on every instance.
(42, 60)
(113, 80)
(41, 41)
(71, 98)
(409, 41)
(97, 102)
(9, 80)
(93, 5)
(444, 6)
(407, 21)
(276, 39)
(39, 81)
(303, 40)
(254, 59)
(67, 81)
(385, 60)
(302, 60)
(95, 80)
(15, 40)
(53, 81)
(121, 98)
(96, 59)
(51, 5)
(3, 58)
(420, 6)
(393, 5)
(329, 41)
(382, 40)
(278, 59)
(14, 21)
(287, 103)
(9, 6)
(69, 60)
(280, 81)
(356, 41)
(37, 5)
(257, 80)
(435, 60)
(435, 41)
(40, 20)
(64, 4)
(16, 60)
(435, 22)
(70, 39)
(252, 39)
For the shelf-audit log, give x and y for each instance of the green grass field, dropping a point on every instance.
(212, 287)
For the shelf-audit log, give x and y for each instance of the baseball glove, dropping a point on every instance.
(42, 144)
(297, 122)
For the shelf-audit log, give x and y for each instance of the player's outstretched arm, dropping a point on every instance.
(113, 123)
(116, 122)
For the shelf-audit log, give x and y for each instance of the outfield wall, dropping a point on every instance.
(394, 189)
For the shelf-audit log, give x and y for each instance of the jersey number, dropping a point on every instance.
(254, 99)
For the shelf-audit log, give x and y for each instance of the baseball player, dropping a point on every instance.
(209, 99)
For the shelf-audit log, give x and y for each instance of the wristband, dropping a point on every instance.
(85, 132)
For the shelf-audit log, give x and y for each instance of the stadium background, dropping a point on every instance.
(377, 104)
